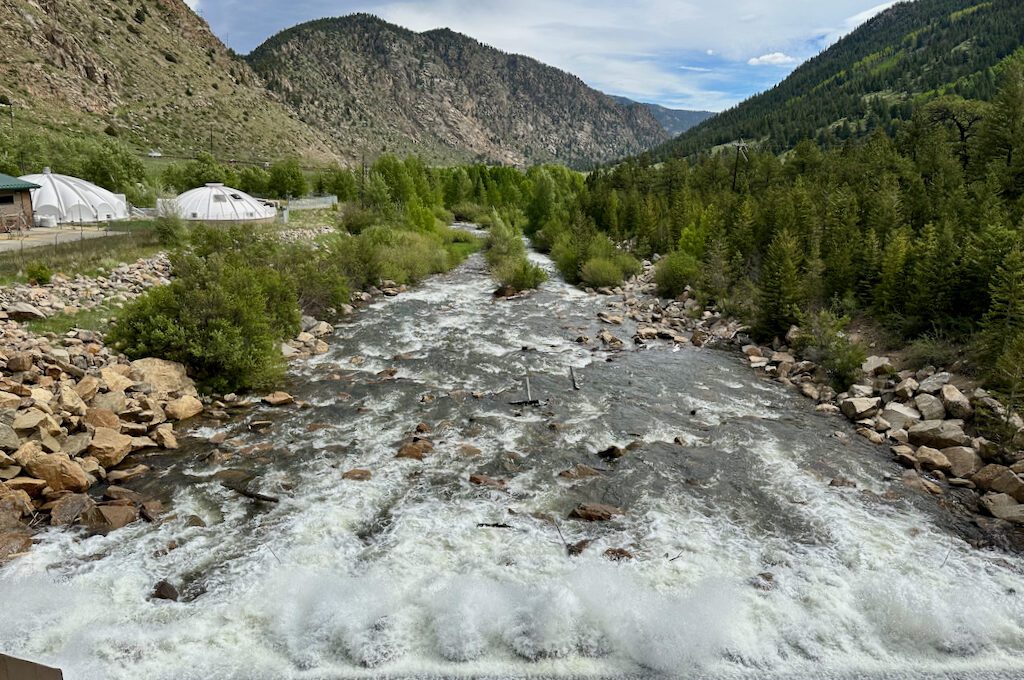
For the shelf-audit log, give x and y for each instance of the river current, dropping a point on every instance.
(746, 563)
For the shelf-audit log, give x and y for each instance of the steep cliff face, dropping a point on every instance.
(148, 71)
(376, 87)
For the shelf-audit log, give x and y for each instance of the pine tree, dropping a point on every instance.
(1005, 317)
(780, 292)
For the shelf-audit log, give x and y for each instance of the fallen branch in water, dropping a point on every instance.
(494, 525)
(572, 374)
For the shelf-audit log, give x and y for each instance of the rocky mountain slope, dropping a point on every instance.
(675, 121)
(873, 77)
(147, 71)
(376, 87)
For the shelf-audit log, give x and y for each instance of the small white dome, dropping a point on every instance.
(218, 203)
(73, 200)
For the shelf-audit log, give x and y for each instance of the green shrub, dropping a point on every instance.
(38, 273)
(519, 273)
(222, 320)
(170, 229)
(675, 272)
(356, 220)
(600, 272)
(823, 340)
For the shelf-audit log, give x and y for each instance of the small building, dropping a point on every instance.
(70, 200)
(218, 203)
(15, 203)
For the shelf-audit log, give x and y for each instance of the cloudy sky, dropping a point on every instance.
(692, 54)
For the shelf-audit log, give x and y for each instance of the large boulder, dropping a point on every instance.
(900, 416)
(115, 379)
(68, 509)
(71, 401)
(1003, 506)
(860, 407)
(23, 311)
(933, 459)
(939, 434)
(58, 471)
(964, 461)
(930, 406)
(9, 439)
(956, 403)
(109, 446)
(101, 417)
(1000, 479)
(934, 383)
(906, 389)
(165, 377)
(183, 407)
(878, 366)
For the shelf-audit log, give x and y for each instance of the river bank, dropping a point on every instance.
(928, 423)
(78, 421)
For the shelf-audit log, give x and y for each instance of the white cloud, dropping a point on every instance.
(773, 59)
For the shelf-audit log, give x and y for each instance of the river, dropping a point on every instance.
(746, 562)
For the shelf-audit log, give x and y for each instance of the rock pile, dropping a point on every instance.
(927, 421)
(68, 296)
(71, 412)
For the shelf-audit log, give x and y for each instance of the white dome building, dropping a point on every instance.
(218, 203)
(70, 200)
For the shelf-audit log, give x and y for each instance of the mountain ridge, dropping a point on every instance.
(380, 88)
(147, 71)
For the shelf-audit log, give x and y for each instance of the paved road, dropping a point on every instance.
(47, 236)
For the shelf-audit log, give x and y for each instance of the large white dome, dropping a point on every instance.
(218, 203)
(73, 200)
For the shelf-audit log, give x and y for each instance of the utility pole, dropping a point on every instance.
(741, 148)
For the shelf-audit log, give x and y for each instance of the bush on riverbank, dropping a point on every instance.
(222, 318)
(506, 256)
(823, 340)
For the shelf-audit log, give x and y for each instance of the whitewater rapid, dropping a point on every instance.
(747, 564)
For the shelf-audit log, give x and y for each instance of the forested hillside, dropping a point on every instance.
(874, 77)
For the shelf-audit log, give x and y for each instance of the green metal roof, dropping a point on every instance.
(8, 183)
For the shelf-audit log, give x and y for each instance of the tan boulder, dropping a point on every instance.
(163, 435)
(87, 387)
(933, 459)
(415, 450)
(30, 485)
(964, 461)
(104, 518)
(997, 478)
(358, 475)
(109, 447)
(9, 401)
(165, 377)
(101, 417)
(278, 399)
(33, 418)
(115, 379)
(57, 469)
(580, 471)
(183, 408)
(71, 401)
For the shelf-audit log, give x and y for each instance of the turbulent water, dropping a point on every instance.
(747, 564)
